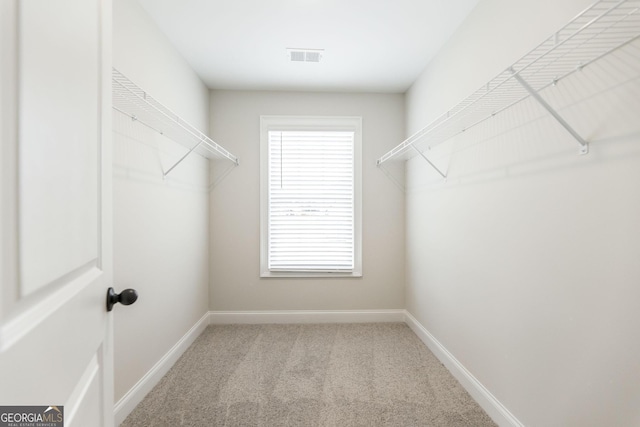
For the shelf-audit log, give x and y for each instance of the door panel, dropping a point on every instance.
(58, 100)
(55, 207)
(83, 407)
(49, 358)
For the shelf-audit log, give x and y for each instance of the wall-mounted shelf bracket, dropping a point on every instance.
(429, 161)
(132, 101)
(584, 145)
(164, 174)
(599, 30)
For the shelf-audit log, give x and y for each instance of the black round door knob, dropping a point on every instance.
(126, 297)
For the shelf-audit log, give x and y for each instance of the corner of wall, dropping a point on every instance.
(487, 401)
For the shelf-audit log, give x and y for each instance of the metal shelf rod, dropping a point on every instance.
(553, 82)
(176, 121)
(134, 102)
(558, 43)
(602, 28)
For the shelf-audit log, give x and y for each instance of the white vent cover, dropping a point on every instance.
(305, 55)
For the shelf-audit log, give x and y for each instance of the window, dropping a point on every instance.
(310, 196)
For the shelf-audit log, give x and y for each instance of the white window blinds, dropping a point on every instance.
(311, 201)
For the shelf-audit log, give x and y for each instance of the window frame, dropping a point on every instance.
(309, 123)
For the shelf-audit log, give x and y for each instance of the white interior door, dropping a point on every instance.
(55, 95)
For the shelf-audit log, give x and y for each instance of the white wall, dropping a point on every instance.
(161, 226)
(235, 209)
(524, 263)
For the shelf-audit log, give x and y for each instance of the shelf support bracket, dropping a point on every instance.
(584, 145)
(429, 161)
(164, 175)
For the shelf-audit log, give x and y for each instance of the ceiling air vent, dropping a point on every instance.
(305, 55)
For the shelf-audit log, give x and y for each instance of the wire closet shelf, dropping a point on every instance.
(604, 27)
(132, 101)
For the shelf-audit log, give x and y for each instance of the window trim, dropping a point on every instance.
(310, 123)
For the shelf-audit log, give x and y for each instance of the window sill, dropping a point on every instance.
(310, 275)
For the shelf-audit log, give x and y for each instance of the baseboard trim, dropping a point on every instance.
(492, 406)
(134, 396)
(305, 316)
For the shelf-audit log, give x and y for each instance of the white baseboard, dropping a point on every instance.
(305, 316)
(492, 406)
(134, 396)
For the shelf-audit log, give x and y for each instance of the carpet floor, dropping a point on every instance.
(340, 375)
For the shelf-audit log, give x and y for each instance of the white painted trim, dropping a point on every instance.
(299, 123)
(81, 391)
(492, 406)
(306, 316)
(134, 396)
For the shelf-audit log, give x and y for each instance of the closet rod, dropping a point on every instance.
(599, 30)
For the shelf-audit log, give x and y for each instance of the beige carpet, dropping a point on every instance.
(308, 375)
